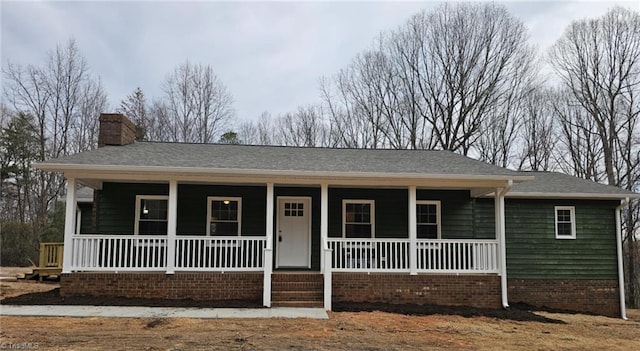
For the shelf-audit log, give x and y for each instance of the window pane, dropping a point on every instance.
(358, 213)
(427, 231)
(152, 227)
(153, 209)
(358, 230)
(224, 210)
(224, 228)
(427, 213)
(564, 216)
(564, 229)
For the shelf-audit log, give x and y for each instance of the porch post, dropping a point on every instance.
(69, 225)
(413, 232)
(324, 222)
(500, 236)
(326, 256)
(268, 251)
(172, 221)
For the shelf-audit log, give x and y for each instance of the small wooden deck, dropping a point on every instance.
(50, 263)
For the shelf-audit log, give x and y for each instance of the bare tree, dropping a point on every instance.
(65, 100)
(598, 61)
(433, 82)
(538, 131)
(197, 103)
(160, 126)
(302, 128)
(134, 106)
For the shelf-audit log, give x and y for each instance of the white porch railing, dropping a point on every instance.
(457, 256)
(120, 253)
(369, 255)
(197, 253)
(433, 256)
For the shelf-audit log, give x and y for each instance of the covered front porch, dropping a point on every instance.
(329, 226)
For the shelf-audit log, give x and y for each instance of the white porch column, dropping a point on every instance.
(69, 225)
(413, 231)
(172, 221)
(324, 222)
(326, 255)
(268, 251)
(502, 244)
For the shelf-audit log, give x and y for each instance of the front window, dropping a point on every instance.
(565, 222)
(151, 215)
(225, 215)
(358, 218)
(428, 219)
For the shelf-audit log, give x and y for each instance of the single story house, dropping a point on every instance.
(292, 226)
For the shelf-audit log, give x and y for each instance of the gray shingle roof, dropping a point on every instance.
(217, 157)
(277, 158)
(553, 183)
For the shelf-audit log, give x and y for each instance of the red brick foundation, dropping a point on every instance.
(591, 296)
(196, 286)
(462, 290)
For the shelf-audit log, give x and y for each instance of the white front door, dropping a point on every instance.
(294, 232)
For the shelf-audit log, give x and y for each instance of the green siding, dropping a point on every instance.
(391, 213)
(534, 252)
(484, 219)
(192, 207)
(116, 210)
(86, 209)
(456, 212)
(116, 205)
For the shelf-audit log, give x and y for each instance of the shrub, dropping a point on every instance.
(19, 245)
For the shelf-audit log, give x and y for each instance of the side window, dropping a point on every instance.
(428, 219)
(358, 218)
(565, 222)
(224, 216)
(151, 215)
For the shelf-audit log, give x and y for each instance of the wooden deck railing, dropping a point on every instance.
(51, 255)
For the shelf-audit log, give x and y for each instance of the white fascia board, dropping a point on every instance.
(57, 167)
(594, 196)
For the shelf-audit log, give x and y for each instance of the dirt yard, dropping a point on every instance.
(343, 331)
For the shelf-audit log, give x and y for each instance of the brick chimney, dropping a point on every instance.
(115, 129)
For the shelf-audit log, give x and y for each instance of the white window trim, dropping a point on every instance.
(222, 198)
(372, 215)
(438, 216)
(572, 211)
(139, 199)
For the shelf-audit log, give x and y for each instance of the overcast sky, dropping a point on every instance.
(269, 54)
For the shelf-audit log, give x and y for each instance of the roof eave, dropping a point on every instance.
(79, 168)
(583, 196)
